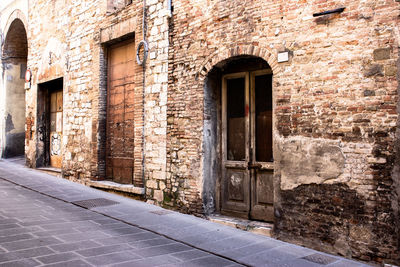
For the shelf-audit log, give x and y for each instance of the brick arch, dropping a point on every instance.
(225, 53)
(16, 14)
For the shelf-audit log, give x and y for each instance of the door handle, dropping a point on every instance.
(254, 166)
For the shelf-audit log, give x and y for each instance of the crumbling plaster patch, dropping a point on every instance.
(304, 160)
(53, 60)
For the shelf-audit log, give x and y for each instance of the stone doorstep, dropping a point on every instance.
(51, 171)
(256, 227)
(126, 188)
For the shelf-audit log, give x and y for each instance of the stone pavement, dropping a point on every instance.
(50, 221)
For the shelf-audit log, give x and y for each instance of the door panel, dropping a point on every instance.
(236, 118)
(262, 187)
(262, 195)
(120, 114)
(56, 116)
(247, 167)
(235, 184)
(263, 117)
(236, 193)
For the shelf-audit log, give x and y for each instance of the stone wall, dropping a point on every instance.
(335, 114)
(72, 43)
(14, 57)
(335, 106)
(13, 50)
(155, 109)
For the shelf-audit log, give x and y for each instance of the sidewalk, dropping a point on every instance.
(50, 221)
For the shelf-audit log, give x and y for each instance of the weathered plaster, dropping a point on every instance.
(307, 161)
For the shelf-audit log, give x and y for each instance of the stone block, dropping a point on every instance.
(158, 195)
(382, 53)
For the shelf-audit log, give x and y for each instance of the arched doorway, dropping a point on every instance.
(14, 60)
(238, 143)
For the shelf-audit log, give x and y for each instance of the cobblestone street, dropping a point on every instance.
(47, 221)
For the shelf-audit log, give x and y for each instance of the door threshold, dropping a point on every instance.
(50, 170)
(257, 227)
(125, 188)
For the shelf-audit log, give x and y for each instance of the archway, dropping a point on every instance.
(238, 146)
(14, 60)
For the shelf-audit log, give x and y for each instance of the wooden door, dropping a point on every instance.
(56, 127)
(235, 184)
(261, 160)
(120, 113)
(247, 165)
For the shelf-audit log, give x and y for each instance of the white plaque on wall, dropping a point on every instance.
(283, 57)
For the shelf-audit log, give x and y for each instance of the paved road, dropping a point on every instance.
(48, 221)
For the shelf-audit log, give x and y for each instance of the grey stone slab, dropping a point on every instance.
(246, 251)
(73, 263)
(20, 263)
(83, 216)
(142, 219)
(296, 263)
(190, 254)
(12, 238)
(150, 262)
(57, 226)
(347, 263)
(162, 229)
(31, 243)
(172, 222)
(127, 238)
(297, 251)
(105, 228)
(276, 255)
(152, 242)
(102, 250)
(75, 246)
(225, 244)
(207, 237)
(210, 261)
(320, 258)
(54, 232)
(8, 221)
(112, 258)
(104, 221)
(27, 253)
(60, 257)
(42, 222)
(9, 226)
(125, 230)
(162, 250)
(186, 217)
(79, 236)
(206, 227)
(16, 231)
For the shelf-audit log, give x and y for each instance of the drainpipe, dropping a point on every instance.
(144, 20)
(2, 97)
(144, 42)
(169, 8)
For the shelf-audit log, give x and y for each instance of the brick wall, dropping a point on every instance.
(337, 95)
(335, 117)
(77, 35)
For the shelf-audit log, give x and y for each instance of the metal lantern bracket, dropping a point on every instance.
(145, 46)
(338, 10)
